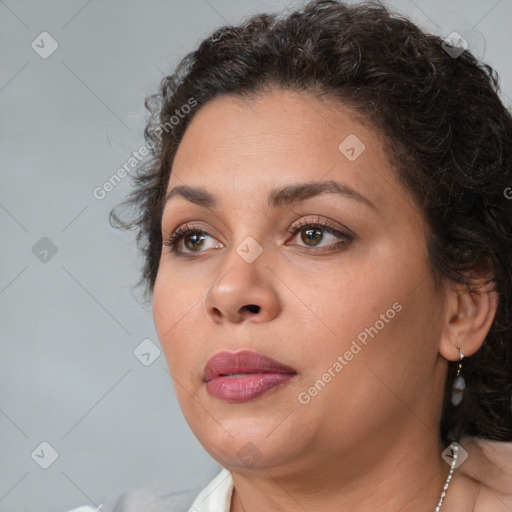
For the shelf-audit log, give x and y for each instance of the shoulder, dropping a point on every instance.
(86, 509)
(160, 499)
(139, 499)
(489, 463)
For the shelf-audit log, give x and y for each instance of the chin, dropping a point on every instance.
(248, 455)
(244, 442)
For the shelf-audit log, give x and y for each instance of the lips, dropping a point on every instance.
(243, 362)
(238, 377)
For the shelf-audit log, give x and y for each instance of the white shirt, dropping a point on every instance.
(215, 497)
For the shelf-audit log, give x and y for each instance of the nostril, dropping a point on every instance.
(253, 308)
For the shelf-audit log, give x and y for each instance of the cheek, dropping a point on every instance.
(341, 302)
(380, 313)
(373, 365)
(178, 310)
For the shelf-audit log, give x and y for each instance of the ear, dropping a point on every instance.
(469, 313)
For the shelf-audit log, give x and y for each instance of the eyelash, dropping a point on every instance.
(173, 240)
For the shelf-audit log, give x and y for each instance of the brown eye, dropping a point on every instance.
(193, 240)
(314, 233)
(311, 236)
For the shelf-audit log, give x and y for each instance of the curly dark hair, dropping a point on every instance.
(447, 133)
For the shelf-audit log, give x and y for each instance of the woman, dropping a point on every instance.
(327, 229)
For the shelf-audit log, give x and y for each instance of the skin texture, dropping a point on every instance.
(374, 425)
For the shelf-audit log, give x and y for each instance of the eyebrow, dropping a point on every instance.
(278, 197)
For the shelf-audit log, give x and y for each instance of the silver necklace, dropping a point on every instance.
(455, 450)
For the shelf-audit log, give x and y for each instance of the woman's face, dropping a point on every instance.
(349, 306)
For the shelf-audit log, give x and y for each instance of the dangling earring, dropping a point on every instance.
(459, 384)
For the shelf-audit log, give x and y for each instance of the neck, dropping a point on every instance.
(408, 475)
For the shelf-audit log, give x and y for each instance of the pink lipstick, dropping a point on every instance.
(243, 376)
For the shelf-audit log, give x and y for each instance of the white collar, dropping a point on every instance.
(216, 496)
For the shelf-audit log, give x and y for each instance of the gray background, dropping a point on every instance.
(69, 325)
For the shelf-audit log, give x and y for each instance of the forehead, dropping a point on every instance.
(285, 122)
(236, 145)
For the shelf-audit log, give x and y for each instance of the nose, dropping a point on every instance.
(243, 292)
